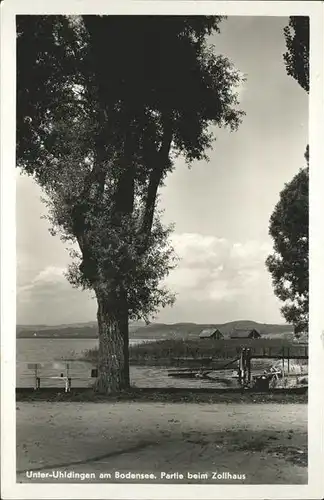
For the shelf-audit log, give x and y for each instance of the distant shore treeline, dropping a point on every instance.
(142, 331)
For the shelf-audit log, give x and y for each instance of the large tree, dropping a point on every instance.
(297, 56)
(288, 264)
(289, 223)
(105, 104)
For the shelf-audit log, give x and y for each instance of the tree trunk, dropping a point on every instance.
(113, 358)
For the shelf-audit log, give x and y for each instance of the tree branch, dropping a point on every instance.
(154, 182)
(124, 195)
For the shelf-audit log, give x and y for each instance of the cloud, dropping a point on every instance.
(216, 280)
(50, 299)
(215, 269)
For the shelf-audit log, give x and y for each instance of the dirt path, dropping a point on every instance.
(267, 443)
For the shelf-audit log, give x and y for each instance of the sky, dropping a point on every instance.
(220, 208)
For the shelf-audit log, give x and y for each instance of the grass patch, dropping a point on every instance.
(170, 395)
(295, 455)
(254, 445)
(270, 443)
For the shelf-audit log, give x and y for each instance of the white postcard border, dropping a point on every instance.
(10, 489)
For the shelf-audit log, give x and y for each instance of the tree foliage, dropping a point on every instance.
(86, 91)
(289, 222)
(104, 106)
(289, 263)
(297, 56)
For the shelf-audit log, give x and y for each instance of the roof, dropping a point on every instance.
(209, 332)
(244, 333)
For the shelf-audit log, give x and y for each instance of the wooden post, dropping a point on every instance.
(288, 354)
(67, 378)
(249, 365)
(241, 367)
(246, 355)
(283, 362)
(244, 352)
(35, 366)
(37, 381)
(37, 377)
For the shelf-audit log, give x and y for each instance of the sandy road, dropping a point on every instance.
(266, 442)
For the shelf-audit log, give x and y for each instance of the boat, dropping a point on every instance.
(183, 374)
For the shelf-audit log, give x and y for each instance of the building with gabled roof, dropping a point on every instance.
(211, 333)
(245, 333)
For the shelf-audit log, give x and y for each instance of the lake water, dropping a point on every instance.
(37, 350)
(51, 353)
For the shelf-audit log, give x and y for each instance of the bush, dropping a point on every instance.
(90, 355)
(162, 350)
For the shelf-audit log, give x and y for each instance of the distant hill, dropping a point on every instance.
(153, 331)
(192, 330)
(37, 328)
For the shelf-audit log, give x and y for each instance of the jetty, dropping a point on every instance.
(206, 368)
